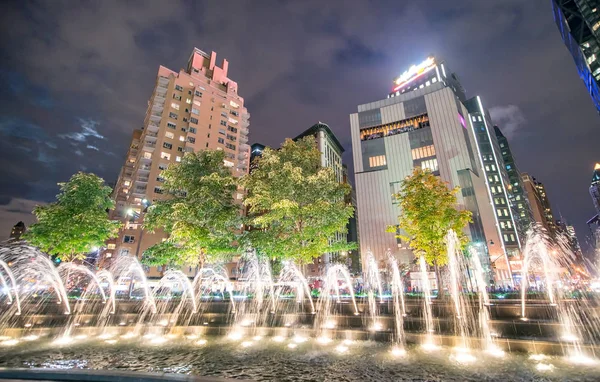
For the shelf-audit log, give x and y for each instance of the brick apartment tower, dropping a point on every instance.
(194, 109)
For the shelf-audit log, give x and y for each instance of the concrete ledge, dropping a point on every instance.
(98, 376)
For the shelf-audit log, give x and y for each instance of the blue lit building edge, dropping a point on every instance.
(582, 68)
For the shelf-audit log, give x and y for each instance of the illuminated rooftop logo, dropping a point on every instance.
(414, 72)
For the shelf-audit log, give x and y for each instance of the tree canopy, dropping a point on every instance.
(428, 209)
(296, 206)
(77, 222)
(199, 215)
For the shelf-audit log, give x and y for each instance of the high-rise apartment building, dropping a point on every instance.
(424, 122)
(539, 203)
(194, 109)
(516, 189)
(578, 22)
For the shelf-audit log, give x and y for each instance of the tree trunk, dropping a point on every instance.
(438, 276)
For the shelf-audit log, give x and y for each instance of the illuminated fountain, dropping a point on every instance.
(256, 282)
(374, 290)
(212, 283)
(31, 274)
(85, 308)
(464, 320)
(427, 311)
(292, 284)
(330, 298)
(397, 288)
(539, 256)
(9, 284)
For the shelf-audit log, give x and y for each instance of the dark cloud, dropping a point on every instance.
(84, 71)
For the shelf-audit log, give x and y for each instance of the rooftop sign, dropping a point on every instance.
(414, 72)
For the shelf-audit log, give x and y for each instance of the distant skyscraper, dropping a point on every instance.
(424, 123)
(516, 189)
(539, 203)
(256, 151)
(194, 109)
(578, 22)
(17, 230)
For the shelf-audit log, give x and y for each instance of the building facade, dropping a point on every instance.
(578, 22)
(516, 189)
(194, 109)
(424, 123)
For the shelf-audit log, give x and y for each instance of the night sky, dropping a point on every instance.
(75, 78)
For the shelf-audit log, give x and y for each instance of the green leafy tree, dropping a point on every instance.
(77, 222)
(428, 210)
(296, 207)
(199, 215)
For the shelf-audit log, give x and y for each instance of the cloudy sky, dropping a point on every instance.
(76, 76)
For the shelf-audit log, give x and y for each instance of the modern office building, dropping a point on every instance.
(424, 122)
(194, 109)
(578, 22)
(497, 181)
(516, 189)
(539, 203)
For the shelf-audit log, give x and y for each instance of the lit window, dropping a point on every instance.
(181, 138)
(474, 118)
(147, 155)
(423, 152)
(434, 80)
(591, 59)
(111, 246)
(188, 100)
(126, 183)
(377, 161)
(427, 83)
(479, 118)
(108, 255)
(421, 86)
(227, 163)
(177, 159)
(169, 135)
(175, 106)
(196, 102)
(165, 155)
(430, 164)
